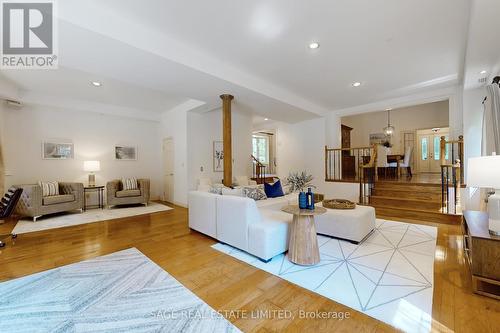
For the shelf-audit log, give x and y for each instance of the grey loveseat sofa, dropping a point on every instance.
(117, 196)
(33, 204)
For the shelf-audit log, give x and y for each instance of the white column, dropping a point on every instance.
(332, 130)
(456, 113)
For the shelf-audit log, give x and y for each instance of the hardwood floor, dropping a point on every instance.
(228, 284)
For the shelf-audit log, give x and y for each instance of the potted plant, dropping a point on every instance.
(299, 181)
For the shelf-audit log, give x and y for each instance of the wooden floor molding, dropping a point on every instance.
(228, 284)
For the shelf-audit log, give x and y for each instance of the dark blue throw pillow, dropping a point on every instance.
(274, 190)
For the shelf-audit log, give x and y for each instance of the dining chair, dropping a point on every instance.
(405, 163)
(381, 160)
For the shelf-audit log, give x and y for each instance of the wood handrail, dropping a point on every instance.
(442, 148)
(344, 163)
(259, 163)
(345, 149)
(456, 166)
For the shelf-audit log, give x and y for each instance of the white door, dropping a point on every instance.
(168, 170)
(429, 148)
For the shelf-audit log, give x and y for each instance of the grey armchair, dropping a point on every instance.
(34, 205)
(117, 196)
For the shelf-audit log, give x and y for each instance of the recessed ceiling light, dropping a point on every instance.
(482, 72)
(388, 109)
(96, 83)
(356, 84)
(314, 45)
(266, 118)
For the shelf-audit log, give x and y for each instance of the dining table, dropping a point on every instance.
(391, 158)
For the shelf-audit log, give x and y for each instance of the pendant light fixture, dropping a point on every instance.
(389, 130)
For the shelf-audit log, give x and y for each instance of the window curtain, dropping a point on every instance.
(491, 121)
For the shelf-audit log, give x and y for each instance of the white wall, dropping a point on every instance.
(203, 130)
(473, 120)
(2, 173)
(174, 125)
(471, 198)
(409, 118)
(301, 147)
(94, 136)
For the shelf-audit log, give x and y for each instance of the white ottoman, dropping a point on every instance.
(350, 224)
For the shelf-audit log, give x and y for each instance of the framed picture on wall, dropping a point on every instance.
(125, 153)
(218, 156)
(52, 150)
(378, 138)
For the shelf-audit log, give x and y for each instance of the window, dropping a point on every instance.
(260, 145)
(437, 147)
(423, 145)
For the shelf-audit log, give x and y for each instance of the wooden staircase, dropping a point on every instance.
(415, 201)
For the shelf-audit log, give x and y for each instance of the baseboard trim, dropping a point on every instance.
(180, 204)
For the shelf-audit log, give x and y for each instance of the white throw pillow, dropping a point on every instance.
(242, 180)
(287, 189)
(237, 192)
(49, 188)
(204, 188)
(204, 181)
(130, 184)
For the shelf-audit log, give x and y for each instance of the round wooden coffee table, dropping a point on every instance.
(303, 246)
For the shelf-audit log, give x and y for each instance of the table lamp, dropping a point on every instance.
(91, 166)
(484, 172)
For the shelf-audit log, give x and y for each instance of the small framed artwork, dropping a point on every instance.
(378, 138)
(57, 150)
(125, 153)
(218, 156)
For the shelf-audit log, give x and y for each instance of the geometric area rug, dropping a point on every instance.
(121, 292)
(388, 277)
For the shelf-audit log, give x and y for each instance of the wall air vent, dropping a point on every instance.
(482, 80)
(14, 103)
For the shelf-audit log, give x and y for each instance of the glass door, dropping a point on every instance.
(429, 149)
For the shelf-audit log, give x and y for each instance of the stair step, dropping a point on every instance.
(427, 205)
(416, 214)
(407, 194)
(426, 188)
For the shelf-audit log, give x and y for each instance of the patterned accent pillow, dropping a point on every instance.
(49, 188)
(237, 192)
(256, 193)
(130, 184)
(215, 190)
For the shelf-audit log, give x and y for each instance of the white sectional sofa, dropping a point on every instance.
(257, 227)
(261, 228)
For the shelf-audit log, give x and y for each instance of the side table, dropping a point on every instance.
(482, 251)
(100, 196)
(303, 246)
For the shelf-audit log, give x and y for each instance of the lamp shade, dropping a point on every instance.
(484, 171)
(91, 166)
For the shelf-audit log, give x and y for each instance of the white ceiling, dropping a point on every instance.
(154, 54)
(483, 48)
(385, 44)
(66, 82)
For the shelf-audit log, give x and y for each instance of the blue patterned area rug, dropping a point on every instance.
(120, 292)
